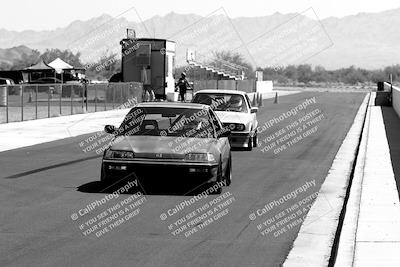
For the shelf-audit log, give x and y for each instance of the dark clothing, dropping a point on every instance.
(182, 95)
(183, 85)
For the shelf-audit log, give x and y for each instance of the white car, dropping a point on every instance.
(235, 112)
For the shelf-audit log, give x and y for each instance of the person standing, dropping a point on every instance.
(183, 85)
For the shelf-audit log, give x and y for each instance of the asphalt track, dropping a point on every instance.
(41, 186)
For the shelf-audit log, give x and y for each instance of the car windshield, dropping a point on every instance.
(165, 121)
(222, 102)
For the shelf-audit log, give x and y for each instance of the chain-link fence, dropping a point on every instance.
(37, 101)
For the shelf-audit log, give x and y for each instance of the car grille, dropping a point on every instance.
(159, 156)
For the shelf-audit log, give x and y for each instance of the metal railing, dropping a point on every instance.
(37, 101)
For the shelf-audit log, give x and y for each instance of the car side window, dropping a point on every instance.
(216, 122)
(248, 101)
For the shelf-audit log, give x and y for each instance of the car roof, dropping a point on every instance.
(173, 105)
(221, 91)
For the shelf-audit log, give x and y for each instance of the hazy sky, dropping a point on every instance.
(50, 14)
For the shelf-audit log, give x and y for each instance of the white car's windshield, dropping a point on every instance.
(222, 102)
(162, 121)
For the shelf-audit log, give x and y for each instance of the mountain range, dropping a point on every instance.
(367, 40)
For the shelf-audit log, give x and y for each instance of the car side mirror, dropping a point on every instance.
(109, 129)
(254, 110)
(224, 133)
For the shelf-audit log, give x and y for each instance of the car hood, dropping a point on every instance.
(151, 145)
(234, 117)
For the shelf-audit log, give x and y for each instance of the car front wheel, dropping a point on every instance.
(103, 177)
(228, 172)
(255, 139)
(219, 179)
(250, 144)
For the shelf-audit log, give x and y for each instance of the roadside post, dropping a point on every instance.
(95, 99)
(83, 96)
(6, 104)
(72, 98)
(48, 102)
(36, 102)
(86, 96)
(22, 103)
(61, 88)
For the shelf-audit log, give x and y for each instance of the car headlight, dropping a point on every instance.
(204, 157)
(240, 127)
(116, 154)
(108, 154)
(232, 126)
(235, 126)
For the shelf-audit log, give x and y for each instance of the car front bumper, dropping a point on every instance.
(159, 171)
(238, 139)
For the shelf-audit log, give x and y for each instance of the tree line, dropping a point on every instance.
(306, 74)
(110, 64)
(303, 73)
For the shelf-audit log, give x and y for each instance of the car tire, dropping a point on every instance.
(219, 179)
(255, 139)
(250, 144)
(103, 175)
(228, 172)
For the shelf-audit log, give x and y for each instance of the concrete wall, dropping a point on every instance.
(204, 84)
(246, 85)
(264, 86)
(227, 84)
(242, 85)
(396, 99)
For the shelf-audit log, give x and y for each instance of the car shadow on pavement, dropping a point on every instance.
(146, 189)
(101, 187)
(239, 149)
(392, 127)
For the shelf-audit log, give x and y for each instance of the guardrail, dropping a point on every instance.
(37, 101)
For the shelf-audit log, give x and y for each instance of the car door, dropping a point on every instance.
(253, 115)
(222, 143)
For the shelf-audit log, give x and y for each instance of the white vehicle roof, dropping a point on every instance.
(219, 91)
(172, 105)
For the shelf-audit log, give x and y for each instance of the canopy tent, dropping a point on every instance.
(59, 65)
(58, 68)
(40, 69)
(63, 67)
(40, 66)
